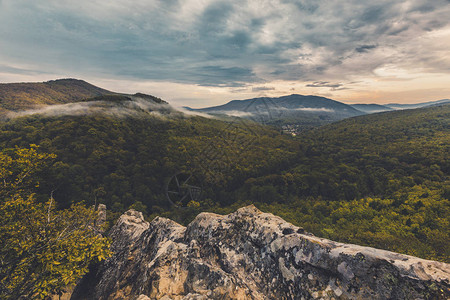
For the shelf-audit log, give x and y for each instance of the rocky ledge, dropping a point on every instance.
(251, 255)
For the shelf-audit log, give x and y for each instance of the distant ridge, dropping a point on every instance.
(417, 105)
(21, 96)
(118, 98)
(293, 101)
(371, 108)
(311, 104)
(298, 110)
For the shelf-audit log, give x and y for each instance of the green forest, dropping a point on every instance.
(379, 180)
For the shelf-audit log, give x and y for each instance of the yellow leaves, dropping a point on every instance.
(101, 257)
(41, 248)
(17, 167)
(193, 203)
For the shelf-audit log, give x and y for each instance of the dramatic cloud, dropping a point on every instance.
(365, 48)
(324, 84)
(227, 44)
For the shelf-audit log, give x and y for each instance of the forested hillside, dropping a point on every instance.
(302, 112)
(373, 155)
(19, 96)
(378, 180)
(120, 161)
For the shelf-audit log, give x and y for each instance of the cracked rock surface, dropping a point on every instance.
(251, 255)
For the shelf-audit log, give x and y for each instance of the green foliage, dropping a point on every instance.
(369, 156)
(347, 181)
(132, 159)
(415, 221)
(42, 250)
(16, 167)
(379, 180)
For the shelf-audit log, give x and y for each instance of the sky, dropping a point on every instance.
(201, 53)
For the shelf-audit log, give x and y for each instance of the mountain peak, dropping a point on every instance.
(302, 112)
(25, 96)
(66, 80)
(22, 96)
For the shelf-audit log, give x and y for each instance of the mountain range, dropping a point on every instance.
(295, 113)
(308, 110)
(371, 108)
(378, 180)
(417, 105)
(305, 111)
(311, 104)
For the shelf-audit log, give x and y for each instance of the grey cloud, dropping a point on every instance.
(365, 48)
(262, 88)
(324, 84)
(373, 14)
(23, 71)
(203, 75)
(257, 23)
(214, 18)
(277, 72)
(239, 39)
(224, 43)
(215, 74)
(423, 7)
(307, 6)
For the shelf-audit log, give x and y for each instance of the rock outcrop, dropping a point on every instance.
(251, 255)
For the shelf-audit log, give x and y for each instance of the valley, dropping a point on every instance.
(330, 179)
(243, 150)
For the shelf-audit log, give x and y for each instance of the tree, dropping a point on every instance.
(42, 249)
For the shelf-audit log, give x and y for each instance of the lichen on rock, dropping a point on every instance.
(252, 255)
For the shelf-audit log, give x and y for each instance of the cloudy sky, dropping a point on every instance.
(206, 52)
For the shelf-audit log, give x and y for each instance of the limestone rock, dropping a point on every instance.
(252, 255)
(101, 218)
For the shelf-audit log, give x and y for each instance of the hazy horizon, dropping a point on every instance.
(202, 53)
